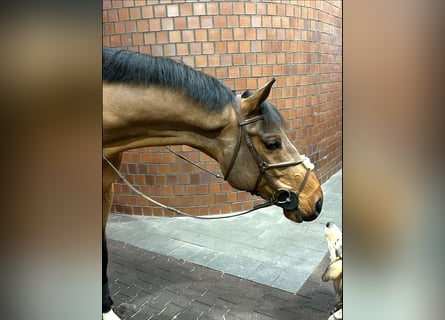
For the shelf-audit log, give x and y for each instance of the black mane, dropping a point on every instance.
(137, 68)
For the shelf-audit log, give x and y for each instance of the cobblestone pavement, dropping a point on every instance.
(149, 285)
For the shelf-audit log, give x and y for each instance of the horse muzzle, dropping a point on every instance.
(294, 212)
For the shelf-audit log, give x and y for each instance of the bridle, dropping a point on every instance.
(281, 197)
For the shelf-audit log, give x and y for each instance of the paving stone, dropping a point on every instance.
(170, 295)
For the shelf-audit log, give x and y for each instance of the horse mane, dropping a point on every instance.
(272, 117)
(136, 68)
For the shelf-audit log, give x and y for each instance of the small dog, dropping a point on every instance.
(334, 271)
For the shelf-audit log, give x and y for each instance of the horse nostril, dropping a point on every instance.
(319, 205)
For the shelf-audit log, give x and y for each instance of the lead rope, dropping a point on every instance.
(165, 207)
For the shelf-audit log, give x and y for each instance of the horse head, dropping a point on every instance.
(266, 163)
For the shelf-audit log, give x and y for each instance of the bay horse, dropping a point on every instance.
(155, 101)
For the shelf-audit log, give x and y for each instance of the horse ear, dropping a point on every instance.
(251, 104)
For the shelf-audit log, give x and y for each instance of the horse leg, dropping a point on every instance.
(108, 176)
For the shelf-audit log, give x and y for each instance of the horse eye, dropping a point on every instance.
(271, 141)
(272, 144)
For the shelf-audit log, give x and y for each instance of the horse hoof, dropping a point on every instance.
(110, 315)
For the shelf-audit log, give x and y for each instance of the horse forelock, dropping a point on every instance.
(136, 68)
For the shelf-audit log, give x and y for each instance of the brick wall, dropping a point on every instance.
(243, 44)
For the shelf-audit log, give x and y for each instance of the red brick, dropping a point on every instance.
(214, 61)
(219, 21)
(221, 72)
(233, 47)
(238, 34)
(232, 21)
(212, 8)
(250, 34)
(174, 36)
(251, 58)
(225, 8)
(112, 15)
(172, 10)
(188, 36)
(186, 9)
(238, 8)
(138, 39)
(106, 41)
(192, 22)
(195, 48)
(226, 34)
(119, 28)
(226, 60)
(123, 14)
(201, 61)
(234, 72)
(167, 24)
(182, 49)
(104, 17)
(180, 22)
(251, 7)
(240, 84)
(116, 3)
(238, 59)
(149, 38)
(266, 21)
(106, 4)
(244, 46)
(257, 71)
(255, 46)
(221, 47)
(244, 21)
(170, 50)
(147, 12)
(206, 22)
(135, 13)
(142, 25)
(130, 26)
(214, 35)
(155, 24)
(246, 71)
(160, 11)
(156, 50)
(108, 28)
(271, 9)
(201, 35)
(208, 48)
(256, 21)
(199, 8)
(162, 37)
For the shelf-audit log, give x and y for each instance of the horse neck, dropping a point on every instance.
(135, 117)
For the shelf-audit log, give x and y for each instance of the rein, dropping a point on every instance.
(272, 201)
